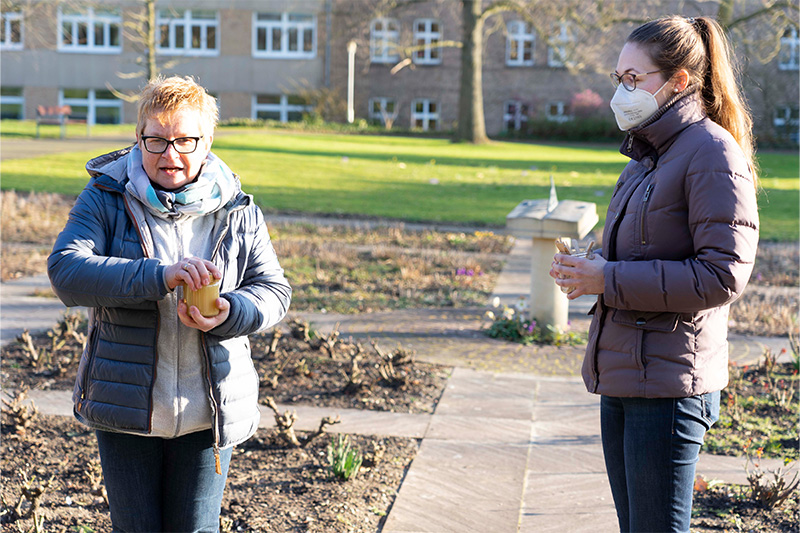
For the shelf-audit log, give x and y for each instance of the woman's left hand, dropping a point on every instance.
(191, 316)
(584, 276)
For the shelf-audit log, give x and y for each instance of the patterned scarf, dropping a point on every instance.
(212, 189)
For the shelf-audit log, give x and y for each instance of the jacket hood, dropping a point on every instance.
(113, 164)
(654, 137)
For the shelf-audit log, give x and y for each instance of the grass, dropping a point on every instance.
(413, 179)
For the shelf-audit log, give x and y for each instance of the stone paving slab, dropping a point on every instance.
(460, 487)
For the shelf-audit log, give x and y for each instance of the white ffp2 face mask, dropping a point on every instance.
(631, 108)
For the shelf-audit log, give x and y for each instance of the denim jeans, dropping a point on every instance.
(157, 484)
(651, 447)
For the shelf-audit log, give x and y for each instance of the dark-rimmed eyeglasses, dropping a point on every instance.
(159, 145)
(629, 80)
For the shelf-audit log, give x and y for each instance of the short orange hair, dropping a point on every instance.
(167, 95)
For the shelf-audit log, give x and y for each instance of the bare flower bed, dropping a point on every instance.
(51, 469)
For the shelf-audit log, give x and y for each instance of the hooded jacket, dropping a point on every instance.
(105, 260)
(680, 239)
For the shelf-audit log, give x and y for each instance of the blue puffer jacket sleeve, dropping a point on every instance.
(92, 265)
(262, 295)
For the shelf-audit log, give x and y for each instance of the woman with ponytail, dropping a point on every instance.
(679, 243)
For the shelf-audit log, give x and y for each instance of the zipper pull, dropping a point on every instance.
(217, 463)
(647, 193)
(630, 141)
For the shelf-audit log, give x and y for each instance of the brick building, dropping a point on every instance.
(258, 56)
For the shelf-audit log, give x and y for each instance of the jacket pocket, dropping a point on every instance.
(90, 356)
(646, 320)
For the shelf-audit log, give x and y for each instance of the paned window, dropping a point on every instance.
(382, 110)
(12, 103)
(789, 58)
(557, 52)
(515, 115)
(93, 29)
(427, 34)
(425, 114)
(787, 123)
(96, 106)
(383, 36)
(188, 32)
(557, 112)
(283, 107)
(284, 35)
(11, 28)
(519, 44)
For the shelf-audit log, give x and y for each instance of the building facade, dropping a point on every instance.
(262, 58)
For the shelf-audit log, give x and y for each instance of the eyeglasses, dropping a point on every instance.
(159, 145)
(628, 80)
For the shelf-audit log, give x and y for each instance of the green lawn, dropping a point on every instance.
(414, 178)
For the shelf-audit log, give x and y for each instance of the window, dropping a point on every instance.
(281, 107)
(519, 44)
(515, 115)
(187, 32)
(427, 34)
(11, 28)
(557, 112)
(12, 103)
(557, 53)
(789, 58)
(284, 35)
(93, 29)
(787, 123)
(96, 106)
(383, 35)
(382, 111)
(424, 114)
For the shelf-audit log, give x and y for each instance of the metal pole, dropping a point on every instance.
(351, 60)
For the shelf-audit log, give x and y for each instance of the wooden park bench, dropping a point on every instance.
(57, 115)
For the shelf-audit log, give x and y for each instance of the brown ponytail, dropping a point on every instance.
(699, 46)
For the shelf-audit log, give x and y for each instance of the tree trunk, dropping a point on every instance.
(152, 66)
(471, 123)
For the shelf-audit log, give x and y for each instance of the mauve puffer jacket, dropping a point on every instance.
(680, 236)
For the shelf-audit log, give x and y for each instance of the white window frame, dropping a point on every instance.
(518, 117)
(14, 100)
(383, 42)
(783, 119)
(560, 115)
(91, 103)
(427, 38)
(285, 25)
(283, 108)
(557, 53)
(381, 115)
(187, 22)
(790, 61)
(8, 18)
(90, 18)
(519, 33)
(426, 115)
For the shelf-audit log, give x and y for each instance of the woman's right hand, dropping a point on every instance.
(193, 271)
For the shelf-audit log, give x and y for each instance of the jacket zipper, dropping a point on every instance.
(148, 254)
(214, 406)
(642, 223)
(629, 148)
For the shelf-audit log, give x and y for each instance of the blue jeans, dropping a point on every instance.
(651, 447)
(159, 484)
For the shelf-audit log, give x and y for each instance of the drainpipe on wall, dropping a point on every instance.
(328, 23)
